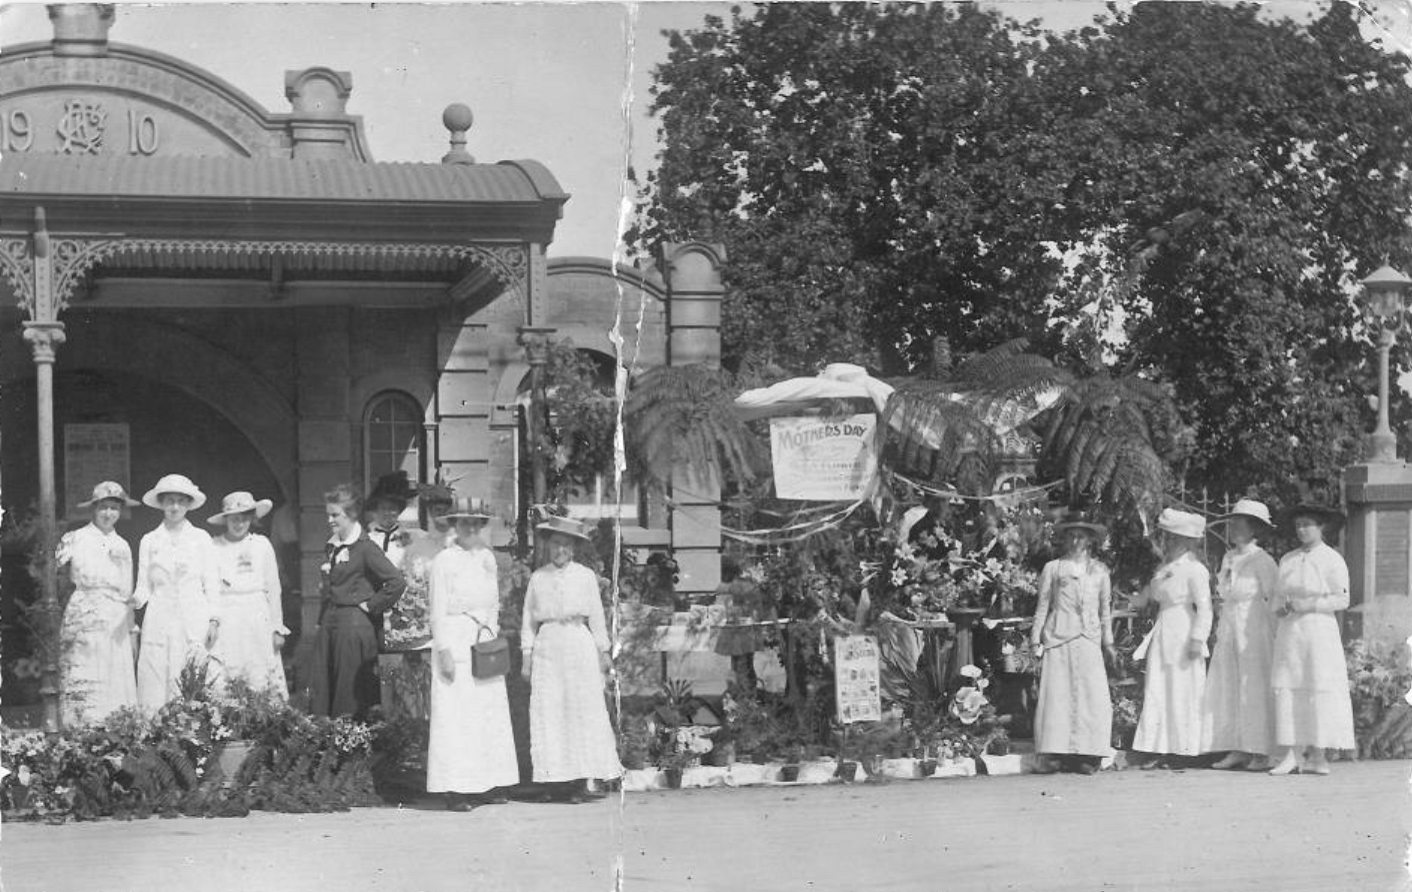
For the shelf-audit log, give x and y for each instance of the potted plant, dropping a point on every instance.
(687, 744)
(722, 754)
(793, 755)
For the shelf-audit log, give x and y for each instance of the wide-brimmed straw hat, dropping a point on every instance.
(566, 525)
(109, 490)
(181, 485)
(1079, 520)
(1182, 523)
(1249, 509)
(239, 503)
(465, 506)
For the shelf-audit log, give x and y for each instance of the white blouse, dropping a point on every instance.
(97, 562)
(563, 594)
(249, 567)
(1313, 581)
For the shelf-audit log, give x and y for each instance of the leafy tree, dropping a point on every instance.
(1184, 194)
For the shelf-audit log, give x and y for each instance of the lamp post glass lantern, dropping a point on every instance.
(1384, 291)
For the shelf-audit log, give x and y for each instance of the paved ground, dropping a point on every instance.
(1195, 830)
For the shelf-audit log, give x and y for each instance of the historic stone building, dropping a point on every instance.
(246, 297)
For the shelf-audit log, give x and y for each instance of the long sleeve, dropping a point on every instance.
(1267, 577)
(210, 573)
(597, 623)
(527, 616)
(389, 581)
(1105, 609)
(1199, 587)
(439, 582)
(274, 592)
(1041, 613)
(142, 591)
(1334, 572)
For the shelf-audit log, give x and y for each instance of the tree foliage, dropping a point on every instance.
(1183, 195)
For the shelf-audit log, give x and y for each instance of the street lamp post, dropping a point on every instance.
(1384, 290)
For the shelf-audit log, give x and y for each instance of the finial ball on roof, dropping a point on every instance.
(457, 117)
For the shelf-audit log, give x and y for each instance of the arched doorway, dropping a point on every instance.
(167, 431)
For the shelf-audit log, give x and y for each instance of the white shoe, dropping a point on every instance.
(1234, 759)
(1287, 765)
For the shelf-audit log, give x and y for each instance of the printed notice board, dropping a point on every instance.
(823, 459)
(92, 453)
(855, 667)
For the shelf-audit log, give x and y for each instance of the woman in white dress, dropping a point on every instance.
(1073, 635)
(564, 642)
(1236, 718)
(1313, 710)
(178, 583)
(96, 634)
(1175, 649)
(472, 746)
(249, 604)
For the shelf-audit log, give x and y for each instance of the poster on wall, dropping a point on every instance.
(823, 459)
(856, 687)
(92, 453)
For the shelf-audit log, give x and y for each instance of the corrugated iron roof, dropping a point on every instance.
(175, 176)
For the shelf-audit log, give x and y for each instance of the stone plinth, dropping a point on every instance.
(1378, 547)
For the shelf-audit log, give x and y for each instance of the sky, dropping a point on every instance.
(564, 84)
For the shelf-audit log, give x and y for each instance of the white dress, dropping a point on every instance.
(472, 744)
(1237, 715)
(95, 636)
(178, 582)
(1310, 675)
(1172, 695)
(563, 634)
(250, 611)
(1075, 712)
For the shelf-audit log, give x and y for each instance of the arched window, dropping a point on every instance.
(393, 437)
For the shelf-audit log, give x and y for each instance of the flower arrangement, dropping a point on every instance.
(409, 620)
(130, 765)
(686, 744)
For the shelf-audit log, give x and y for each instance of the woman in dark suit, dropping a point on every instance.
(359, 583)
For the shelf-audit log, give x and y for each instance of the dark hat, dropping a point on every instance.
(394, 487)
(1080, 520)
(1325, 514)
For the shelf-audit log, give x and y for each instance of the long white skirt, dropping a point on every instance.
(97, 666)
(1172, 695)
(1075, 712)
(245, 642)
(1310, 680)
(570, 735)
(472, 745)
(1237, 714)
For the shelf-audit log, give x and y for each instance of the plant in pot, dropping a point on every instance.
(793, 756)
(722, 754)
(687, 744)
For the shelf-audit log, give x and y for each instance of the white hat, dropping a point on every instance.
(174, 483)
(1182, 523)
(239, 503)
(1251, 509)
(108, 490)
(565, 525)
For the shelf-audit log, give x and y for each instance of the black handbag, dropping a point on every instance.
(489, 659)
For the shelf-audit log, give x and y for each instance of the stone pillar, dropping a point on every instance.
(1378, 548)
(325, 440)
(693, 277)
(463, 399)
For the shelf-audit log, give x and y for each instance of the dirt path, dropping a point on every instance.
(1198, 830)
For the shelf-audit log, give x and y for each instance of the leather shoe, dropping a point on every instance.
(1086, 768)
